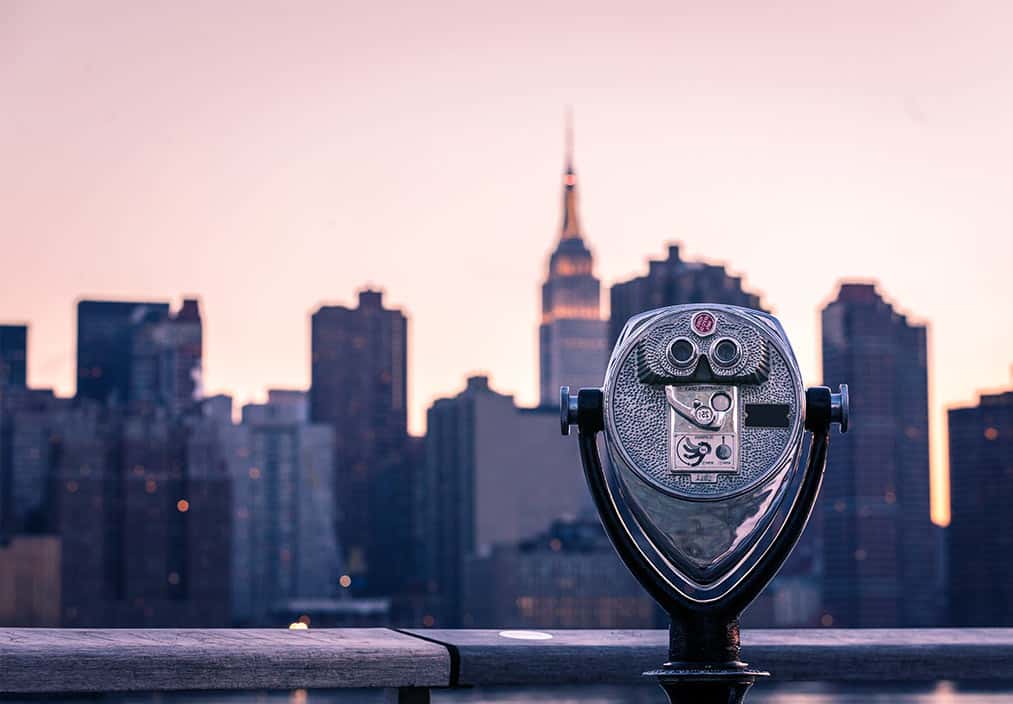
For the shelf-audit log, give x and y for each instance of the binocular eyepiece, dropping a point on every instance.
(702, 492)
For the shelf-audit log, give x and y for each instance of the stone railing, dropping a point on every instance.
(408, 663)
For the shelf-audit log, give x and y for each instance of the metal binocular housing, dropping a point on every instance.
(703, 492)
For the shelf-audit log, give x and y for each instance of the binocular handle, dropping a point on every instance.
(584, 409)
(823, 408)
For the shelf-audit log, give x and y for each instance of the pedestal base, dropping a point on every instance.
(694, 684)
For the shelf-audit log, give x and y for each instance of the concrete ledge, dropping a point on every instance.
(488, 658)
(71, 660)
(100, 660)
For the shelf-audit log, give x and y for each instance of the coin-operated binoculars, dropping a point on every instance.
(702, 493)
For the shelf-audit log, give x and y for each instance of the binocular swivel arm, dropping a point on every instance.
(702, 491)
(823, 408)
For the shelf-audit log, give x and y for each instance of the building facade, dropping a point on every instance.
(142, 505)
(359, 373)
(140, 354)
(880, 549)
(30, 581)
(980, 534)
(495, 474)
(105, 341)
(165, 363)
(30, 421)
(13, 355)
(571, 335)
(568, 576)
(674, 281)
(284, 545)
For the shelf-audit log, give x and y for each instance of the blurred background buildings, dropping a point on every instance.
(142, 502)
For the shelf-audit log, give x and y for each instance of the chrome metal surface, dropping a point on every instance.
(701, 491)
(567, 409)
(840, 408)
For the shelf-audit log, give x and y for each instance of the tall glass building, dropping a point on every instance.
(980, 536)
(358, 388)
(881, 551)
(13, 355)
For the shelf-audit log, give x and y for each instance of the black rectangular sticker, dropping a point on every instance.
(767, 415)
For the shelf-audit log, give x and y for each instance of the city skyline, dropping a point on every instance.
(304, 159)
(939, 471)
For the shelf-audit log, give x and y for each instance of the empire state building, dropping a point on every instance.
(572, 335)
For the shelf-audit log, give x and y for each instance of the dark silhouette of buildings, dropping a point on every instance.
(30, 419)
(980, 535)
(358, 388)
(142, 505)
(128, 479)
(880, 547)
(165, 364)
(568, 576)
(13, 355)
(571, 335)
(495, 474)
(673, 281)
(105, 340)
(29, 559)
(284, 545)
(139, 353)
(30, 581)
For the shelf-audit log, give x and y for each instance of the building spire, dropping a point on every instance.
(571, 221)
(568, 127)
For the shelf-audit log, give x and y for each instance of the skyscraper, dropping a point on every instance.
(673, 281)
(880, 548)
(980, 536)
(571, 335)
(358, 388)
(283, 496)
(139, 353)
(29, 421)
(13, 355)
(165, 361)
(495, 474)
(105, 346)
(142, 505)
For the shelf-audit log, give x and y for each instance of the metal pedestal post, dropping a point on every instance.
(703, 661)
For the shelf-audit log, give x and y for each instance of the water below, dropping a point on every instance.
(763, 693)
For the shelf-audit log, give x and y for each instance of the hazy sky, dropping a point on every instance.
(272, 156)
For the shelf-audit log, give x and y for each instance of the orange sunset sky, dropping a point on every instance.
(269, 157)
